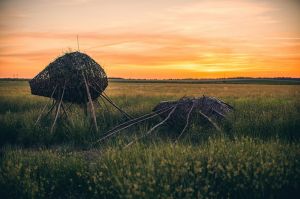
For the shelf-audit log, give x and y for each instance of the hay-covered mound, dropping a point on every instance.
(66, 77)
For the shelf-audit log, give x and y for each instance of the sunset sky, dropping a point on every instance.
(154, 38)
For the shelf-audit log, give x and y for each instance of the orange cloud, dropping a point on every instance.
(155, 55)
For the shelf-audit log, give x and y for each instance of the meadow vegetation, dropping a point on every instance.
(256, 155)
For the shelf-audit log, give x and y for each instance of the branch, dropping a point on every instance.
(210, 120)
(153, 128)
(187, 121)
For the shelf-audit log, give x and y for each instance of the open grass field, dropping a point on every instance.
(257, 154)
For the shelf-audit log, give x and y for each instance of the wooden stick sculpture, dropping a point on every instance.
(178, 114)
(74, 78)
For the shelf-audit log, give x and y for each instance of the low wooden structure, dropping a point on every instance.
(178, 114)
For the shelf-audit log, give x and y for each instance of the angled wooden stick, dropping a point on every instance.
(52, 107)
(114, 105)
(58, 109)
(218, 113)
(129, 125)
(210, 120)
(153, 128)
(40, 116)
(117, 107)
(162, 122)
(98, 105)
(69, 107)
(91, 103)
(139, 118)
(103, 94)
(67, 116)
(104, 102)
(187, 122)
(222, 102)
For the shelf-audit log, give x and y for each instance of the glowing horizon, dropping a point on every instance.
(154, 40)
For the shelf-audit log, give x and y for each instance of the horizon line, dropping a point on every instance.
(218, 78)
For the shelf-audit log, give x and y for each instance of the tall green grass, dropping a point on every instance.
(255, 156)
(259, 118)
(243, 168)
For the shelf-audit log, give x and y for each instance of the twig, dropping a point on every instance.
(58, 108)
(98, 104)
(66, 126)
(40, 116)
(220, 114)
(104, 103)
(91, 102)
(187, 122)
(210, 120)
(129, 125)
(105, 96)
(222, 102)
(69, 107)
(114, 105)
(50, 110)
(153, 128)
(141, 117)
(67, 116)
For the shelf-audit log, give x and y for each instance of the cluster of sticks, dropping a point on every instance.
(73, 78)
(76, 78)
(176, 113)
(62, 110)
(69, 73)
